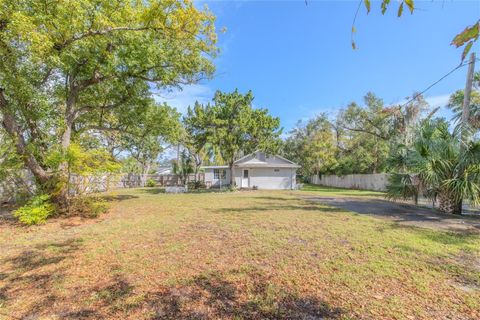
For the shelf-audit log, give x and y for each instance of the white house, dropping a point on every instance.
(256, 170)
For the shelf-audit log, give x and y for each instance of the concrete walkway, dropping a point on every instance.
(402, 213)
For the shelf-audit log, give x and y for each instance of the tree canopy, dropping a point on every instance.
(232, 126)
(358, 140)
(78, 68)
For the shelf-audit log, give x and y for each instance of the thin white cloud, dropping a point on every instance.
(438, 101)
(181, 99)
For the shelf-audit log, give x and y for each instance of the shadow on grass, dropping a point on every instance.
(32, 276)
(443, 237)
(210, 190)
(271, 198)
(118, 197)
(214, 296)
(276, 207)
(221, 299)
(6, 216)
(281, 204)
(152, 190)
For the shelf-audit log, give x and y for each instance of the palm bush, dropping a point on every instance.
(439, 166)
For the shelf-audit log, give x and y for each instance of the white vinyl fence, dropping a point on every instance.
(374, 181)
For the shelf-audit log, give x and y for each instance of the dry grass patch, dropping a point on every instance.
(240, 255)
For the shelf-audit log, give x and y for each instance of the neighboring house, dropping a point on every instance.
(164, 170)
(256, 170)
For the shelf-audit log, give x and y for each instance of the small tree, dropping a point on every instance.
(184, 167)
(444, 170)
(236, 128)
(198, 134)
(313, 146)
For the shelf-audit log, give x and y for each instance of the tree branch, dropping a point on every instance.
(94, 33)
(365, 131)
(11, 126)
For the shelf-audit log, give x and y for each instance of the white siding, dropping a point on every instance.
(237, 175)
(209, 177)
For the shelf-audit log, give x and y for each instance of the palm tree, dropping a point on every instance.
(439, 167)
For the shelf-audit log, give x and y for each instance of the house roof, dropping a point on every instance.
(214, 167)
(259, 159)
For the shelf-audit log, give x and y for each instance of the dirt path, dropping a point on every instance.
(402, 213)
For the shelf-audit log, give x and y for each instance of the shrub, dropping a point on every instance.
(196, 185)
(90, 207)
(36, 211)
(150, 183)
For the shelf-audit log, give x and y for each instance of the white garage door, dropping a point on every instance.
(271, 178)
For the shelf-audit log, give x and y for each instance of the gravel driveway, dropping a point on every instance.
(402, 213)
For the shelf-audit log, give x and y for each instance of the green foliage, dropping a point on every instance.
(184, 166)
(456, 105)
(237, 127)
(467, 38)
(363, 134)
(194, 185)
(36, 211)
(9, 160)
(230, 127)
(158, 124)
(83, 71)
(313, 146)
(401, 186)
(198, 136)
(444, 167)
(83, 162)
(359, 140)
(150, 183)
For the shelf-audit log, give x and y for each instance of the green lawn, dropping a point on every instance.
(235, 255)
(326, 191)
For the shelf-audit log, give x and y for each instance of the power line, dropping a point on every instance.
(435, 83)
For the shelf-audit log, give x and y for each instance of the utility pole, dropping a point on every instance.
(464, 134)
(466, 98)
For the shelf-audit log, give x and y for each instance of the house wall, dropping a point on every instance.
(237, 177)
(268, 178)
(209, 178)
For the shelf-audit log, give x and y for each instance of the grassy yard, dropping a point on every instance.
(236, 255)
(326, 191)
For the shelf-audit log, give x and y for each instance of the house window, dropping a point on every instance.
(219, 173)
(276, 170)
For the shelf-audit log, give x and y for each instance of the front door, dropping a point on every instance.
(245, 181)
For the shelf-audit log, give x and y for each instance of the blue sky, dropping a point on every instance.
(298, 59)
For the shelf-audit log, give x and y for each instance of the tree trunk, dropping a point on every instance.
(232, 178)
(198, 164)
(448, 204)
(62, 188)
(458, 207)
